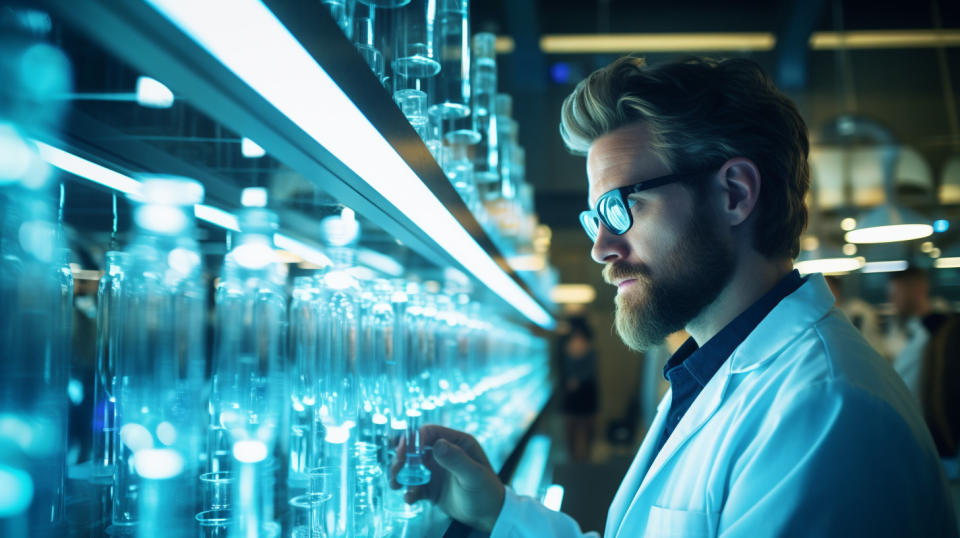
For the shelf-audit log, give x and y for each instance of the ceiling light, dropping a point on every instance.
(660, 42)
(947, 263)
(888, 223)
(81, 167)
(926, 246)
(848, 224)
(250, 149)
(884, 39)
(941, 225)
(849, 249)
(935, 252)
(151, 93)
(321, 109)
(891, 266)
(829, 266)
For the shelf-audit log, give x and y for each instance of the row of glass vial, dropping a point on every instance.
(361, 364)
(446, 86)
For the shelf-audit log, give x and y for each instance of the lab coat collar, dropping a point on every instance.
(790, 318)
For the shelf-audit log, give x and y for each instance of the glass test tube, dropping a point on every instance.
(483, 95)
(451, 87)
(417, 378)
(305, 435)
(109, 295)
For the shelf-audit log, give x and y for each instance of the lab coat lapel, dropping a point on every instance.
(700, 411)
(638, 469)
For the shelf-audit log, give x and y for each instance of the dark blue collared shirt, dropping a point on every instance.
(691, 367)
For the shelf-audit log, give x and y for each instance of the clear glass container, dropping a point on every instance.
(249, 380)
(306, 315)
(342, 13)
(413, 30)
(483, 96)
(35, 368)
(160, 363)
(109, 295)
(451, 94)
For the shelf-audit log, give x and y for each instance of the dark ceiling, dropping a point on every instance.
(900, 88)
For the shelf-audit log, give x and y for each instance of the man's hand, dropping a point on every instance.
(462, 483)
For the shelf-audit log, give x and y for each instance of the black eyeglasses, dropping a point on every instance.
(613, 207)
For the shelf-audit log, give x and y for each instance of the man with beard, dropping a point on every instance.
(781, 420)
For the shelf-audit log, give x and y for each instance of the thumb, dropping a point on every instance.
(456, 461)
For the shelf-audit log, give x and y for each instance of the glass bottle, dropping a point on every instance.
(483, 109)
(249, 381)
(305, 377)
(160, 363)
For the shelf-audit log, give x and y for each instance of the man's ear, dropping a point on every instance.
(740, 184)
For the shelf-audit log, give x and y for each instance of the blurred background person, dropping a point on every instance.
(929, 358)
(579, 363)
(861, 314)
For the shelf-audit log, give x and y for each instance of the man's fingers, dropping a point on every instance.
(453, 458)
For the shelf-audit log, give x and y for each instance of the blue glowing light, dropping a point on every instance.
(16, 491)
(941, 225)
(560, 72)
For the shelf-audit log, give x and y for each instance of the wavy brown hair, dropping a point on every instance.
(700, 113)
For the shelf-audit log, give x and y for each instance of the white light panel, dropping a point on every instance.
(250, 41)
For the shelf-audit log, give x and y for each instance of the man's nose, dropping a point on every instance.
(608, 247)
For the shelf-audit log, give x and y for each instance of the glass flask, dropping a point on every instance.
(160, 363)
(306, 315)
(109, 295)
(34, 369)
(249, 381)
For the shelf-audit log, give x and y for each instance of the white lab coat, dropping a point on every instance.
(804, 431)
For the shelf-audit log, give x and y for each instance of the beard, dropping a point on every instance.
(689, 278)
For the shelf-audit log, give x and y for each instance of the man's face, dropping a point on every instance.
(675, 259)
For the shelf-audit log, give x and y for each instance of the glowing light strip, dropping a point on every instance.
(672, 42)
(92, 171)
(321, 109)
(947, 263)
(89, 170)
(884, 267)
(885, 39)
(732, 41)
(303, 250)
(216, 216)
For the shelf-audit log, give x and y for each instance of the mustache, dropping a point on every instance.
(624, 270)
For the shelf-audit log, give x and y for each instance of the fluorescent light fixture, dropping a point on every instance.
(381, 262)
(661, 42)
(323, 111)
(829, 266)
(573, 294)
(79, 166)
(885, 39)
(889, 223)
(152, 93)
(732, 41)
(217, 217)
(305, 251)
(253, 197)
(947, 263)
(251, 149)
(889, 234)
(554, 497)
(891, 266)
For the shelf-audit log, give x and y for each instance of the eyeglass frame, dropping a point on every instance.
(626, 202)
